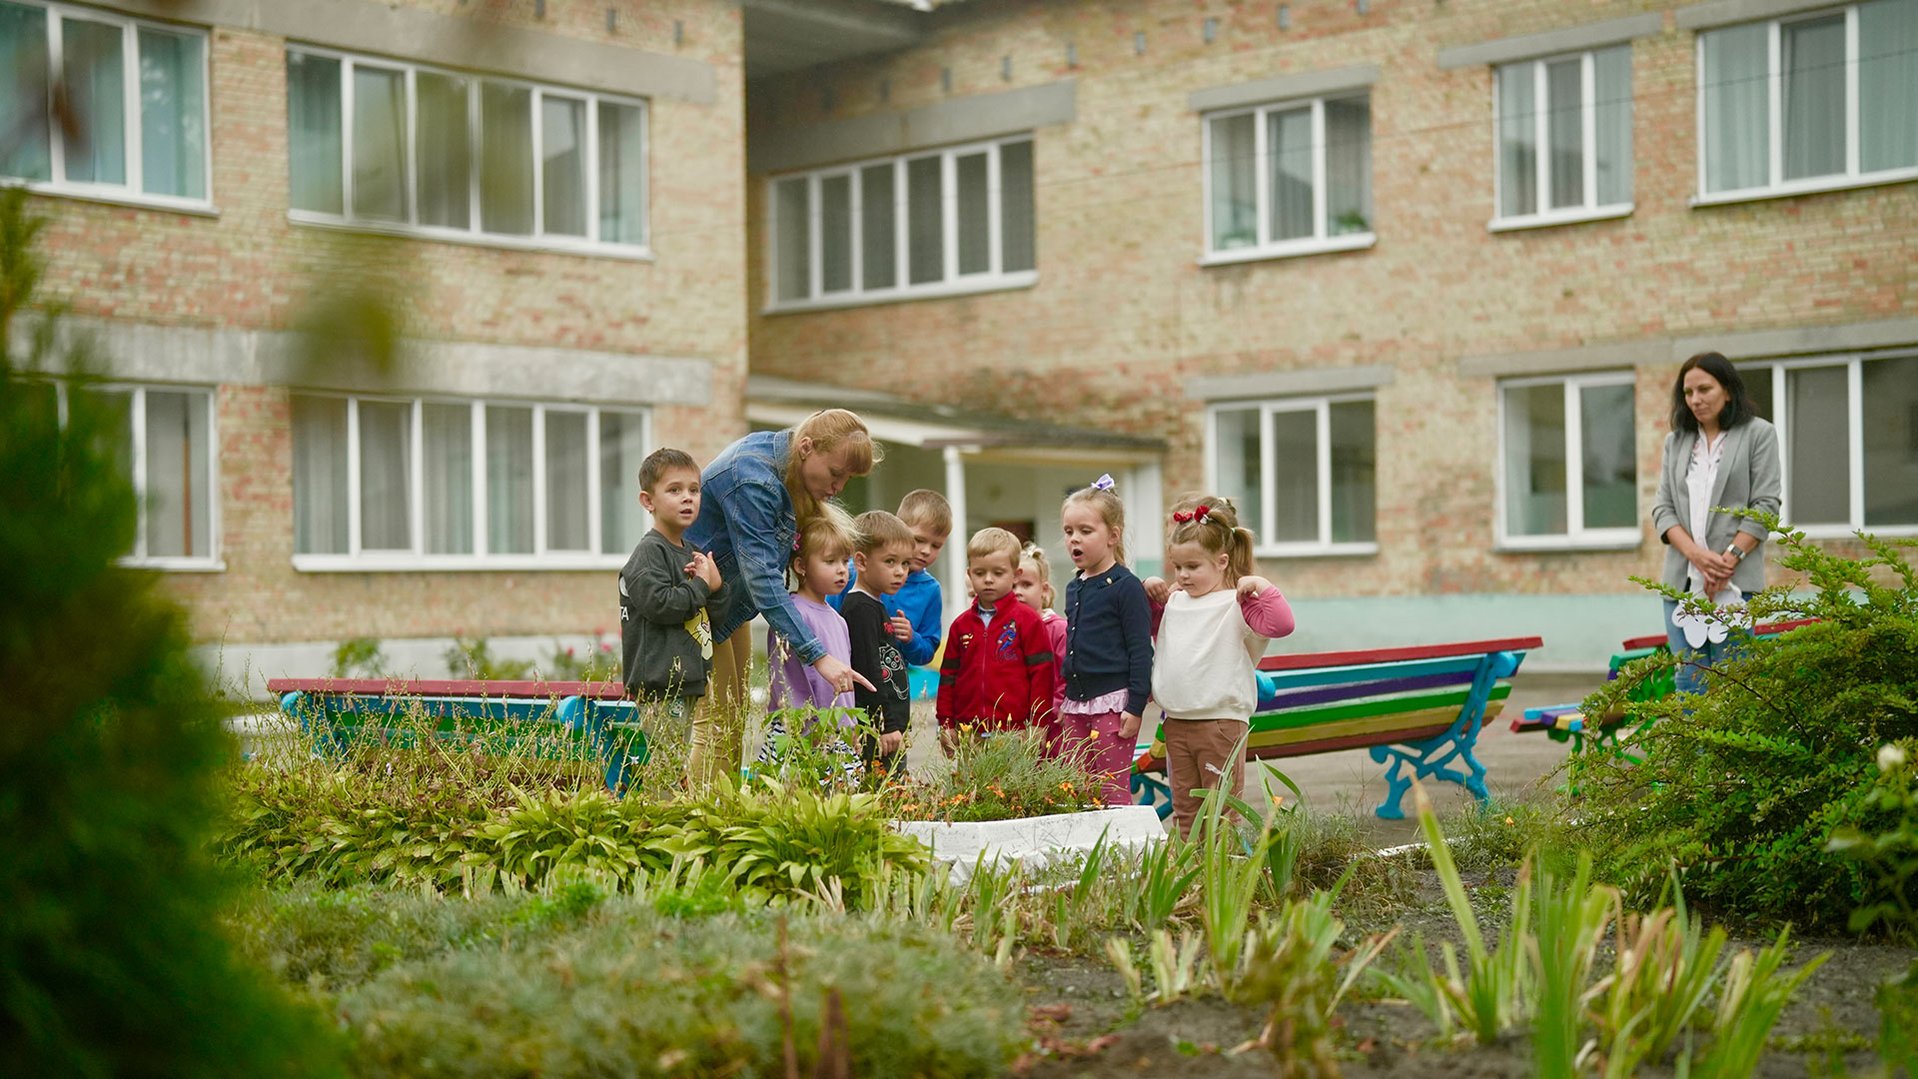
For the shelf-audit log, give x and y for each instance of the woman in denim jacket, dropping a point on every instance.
(755, 496)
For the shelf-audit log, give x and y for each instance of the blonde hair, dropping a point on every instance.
(1110, 510)
(993, 541)
(879, 530)
(927, 509)
(1217, 530)
(1035, 556)
(830, 533)
(828, 429)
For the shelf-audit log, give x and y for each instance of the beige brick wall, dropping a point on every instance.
(248, 268)
(1123, 314)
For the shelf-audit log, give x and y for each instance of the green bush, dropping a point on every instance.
(109, 742)
(1742, 786)
(1004, 777)
(576, 984)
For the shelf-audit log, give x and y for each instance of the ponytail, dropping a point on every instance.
(1212, 522)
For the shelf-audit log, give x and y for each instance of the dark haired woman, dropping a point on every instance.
(1719, 457)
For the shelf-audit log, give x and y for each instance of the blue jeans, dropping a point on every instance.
(1688, 677)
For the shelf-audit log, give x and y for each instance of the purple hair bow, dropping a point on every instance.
(1103, 483)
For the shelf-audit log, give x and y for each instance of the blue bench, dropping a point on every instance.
(593, 719)
(1419, 708)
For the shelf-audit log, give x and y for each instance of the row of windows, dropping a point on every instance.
(1793, 104)
(372, 144)
(1305, 469)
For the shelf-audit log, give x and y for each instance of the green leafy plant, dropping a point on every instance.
(1295, 971)
(1005, 777)
(1665, 970)
(1569, 922)
(473, 658)
(598, 661)
(1743, 792)
(1750, 999)
(110, 742)
(359, 657)
(1490, 993)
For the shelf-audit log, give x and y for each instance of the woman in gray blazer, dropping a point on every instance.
(1719, 457)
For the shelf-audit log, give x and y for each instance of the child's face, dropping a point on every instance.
(1089, 540)
(884, 569)
(822, 573)
(991, 578)
(1028, 587)
(1197, 570)
(926, 545)
(674, 499)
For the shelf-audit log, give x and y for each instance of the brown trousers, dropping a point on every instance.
(719, 724)
(1198, 756)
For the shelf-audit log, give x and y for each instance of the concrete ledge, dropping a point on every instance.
(1282, 87)
(1730, 12)
(1288, 383)
(1662, 351)
(880, 134)
(141, 352)
(1642, 353)
(1570, 39)
(1032, 842)
(463, 42)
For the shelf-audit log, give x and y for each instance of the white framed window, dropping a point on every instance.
(1569, 462)
(165, 440)
(1849, 432)
(939, 223)
(1809, 103)
(1293, 178)
(1564, 132)
(421, 484)
(136, 106)
(1303, 471)
(387, 146)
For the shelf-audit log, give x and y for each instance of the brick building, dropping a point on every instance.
(1411, 280)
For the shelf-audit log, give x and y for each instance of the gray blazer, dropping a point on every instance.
(1748, 477)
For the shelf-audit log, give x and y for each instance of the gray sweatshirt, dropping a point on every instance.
(665, 636)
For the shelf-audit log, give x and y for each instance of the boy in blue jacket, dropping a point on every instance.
(918, 602)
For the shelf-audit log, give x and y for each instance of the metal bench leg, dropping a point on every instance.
(1432, 758)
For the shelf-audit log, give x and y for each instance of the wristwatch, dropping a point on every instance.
(1736, 551)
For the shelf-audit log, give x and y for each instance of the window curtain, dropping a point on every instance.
(1612, 86)
(379, 144)
(925, 220)
(567, 492)
(1565, 132)
(1240, 463)
(386, 476)
(1354, 471)
(93, 76)
(319, 475)
(445, 151)
(622, 174)
(1608, 456)
(1535, 460)
(562, 133)
(506, 159)
(1818, 449)
(1295, 491)
(25, 149)
(313, 122)
(172, 112)
(1017, 241)
(878, 225)
(447, 432)
(622, 446)
(791, 224)
(1737, 109)
(1888, 85)
(1348, 166)
(975, 215)
(1890, 431)
(1234, 182)
(509, 480)
(177, 498)
(1517, 140)
(1288, 147)
(1813, 57)
(835, 233)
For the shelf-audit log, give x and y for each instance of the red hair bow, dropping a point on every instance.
(1198, 514)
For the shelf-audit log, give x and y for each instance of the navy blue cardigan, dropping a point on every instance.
(1108, 638)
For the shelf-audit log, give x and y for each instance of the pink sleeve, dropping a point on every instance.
(1267, 614)
(1158, 613)
(1056, 630)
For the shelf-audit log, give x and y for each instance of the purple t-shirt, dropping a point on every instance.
(795, 684)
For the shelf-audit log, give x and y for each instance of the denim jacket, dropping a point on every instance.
(746, 523)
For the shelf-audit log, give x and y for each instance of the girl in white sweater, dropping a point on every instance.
(1212, 620)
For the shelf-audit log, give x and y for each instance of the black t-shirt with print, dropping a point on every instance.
(876, 655)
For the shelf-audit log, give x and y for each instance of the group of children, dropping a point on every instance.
(1080, 678)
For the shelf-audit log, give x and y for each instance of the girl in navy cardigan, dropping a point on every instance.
(1108, 668)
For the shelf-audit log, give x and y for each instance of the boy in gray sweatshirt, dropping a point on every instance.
(665, 636)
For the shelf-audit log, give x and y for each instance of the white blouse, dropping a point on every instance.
(1700, 478)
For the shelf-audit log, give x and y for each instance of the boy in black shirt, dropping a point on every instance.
(883, 559)
(665, 636)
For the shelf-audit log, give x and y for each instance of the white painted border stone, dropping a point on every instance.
(1032, 842)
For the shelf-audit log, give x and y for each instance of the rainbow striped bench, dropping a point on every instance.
(1419, 708)
(593, 719)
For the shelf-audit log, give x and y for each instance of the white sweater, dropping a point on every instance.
(1206, 654)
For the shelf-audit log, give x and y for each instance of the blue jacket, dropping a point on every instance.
(919, 597)
(1109, 638)
(746, 522)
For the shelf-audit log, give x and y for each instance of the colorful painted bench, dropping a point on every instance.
(1419, 708)
(589, 718)
(1610, 733)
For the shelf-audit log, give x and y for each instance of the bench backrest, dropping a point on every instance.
(447, 687)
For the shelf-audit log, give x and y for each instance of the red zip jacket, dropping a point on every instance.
(996, 675)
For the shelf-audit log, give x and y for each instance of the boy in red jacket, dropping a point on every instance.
(998, 671)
